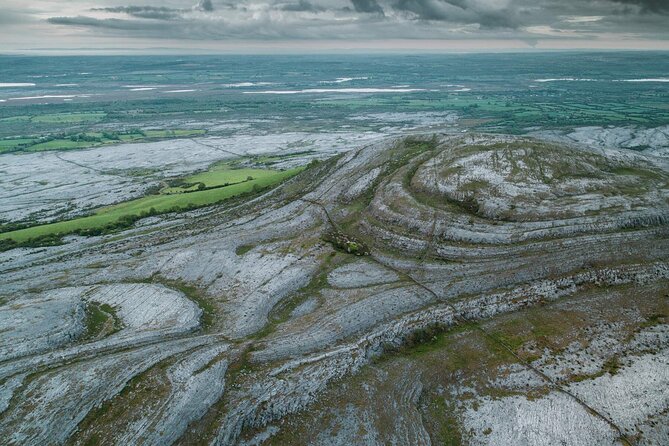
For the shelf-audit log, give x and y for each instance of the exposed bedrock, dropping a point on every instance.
(222, 325)
(653, 141)
(38, 324)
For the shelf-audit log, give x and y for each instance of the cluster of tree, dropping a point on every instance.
(8, 227)
(200, 186)
(124, 222)
(43, 240)
(85, 137)
(422, 336)
(346, 243)
(114, 136)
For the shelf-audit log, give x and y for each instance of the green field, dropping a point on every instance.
(9, 144)
(69, 118)
(58, 144)
(161, 203)
(59, 118)
(90, 139)
(219, 175)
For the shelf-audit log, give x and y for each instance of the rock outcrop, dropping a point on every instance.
(224, 324)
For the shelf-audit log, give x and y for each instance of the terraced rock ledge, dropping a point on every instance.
(474, 289)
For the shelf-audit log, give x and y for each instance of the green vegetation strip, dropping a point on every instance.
(125, 214)
(89, 139)
(67, 118)
(101, 320)
(221, 175)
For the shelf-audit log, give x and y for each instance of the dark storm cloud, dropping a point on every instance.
(649, 6)
(144, 12)
(302, 6)
(370, 6)
(205, 5)
(157, 12)
(527, 20)
(459, 11)
(115, 24)
(428, 9)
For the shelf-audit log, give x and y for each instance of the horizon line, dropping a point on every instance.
(168, 51)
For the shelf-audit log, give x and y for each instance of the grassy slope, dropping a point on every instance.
(160, 203)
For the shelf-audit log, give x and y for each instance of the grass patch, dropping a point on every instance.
(60, 144)
(432, 338)
(612, 365)
(653, 320)
(408, 149)
(87, 140)
(554, 331)
(220, 175)
(101, 320)
(645, 174)
(8, 144)
(69, 118)
(445, 416)
(124, 215)
(59, 118)
(243, 249)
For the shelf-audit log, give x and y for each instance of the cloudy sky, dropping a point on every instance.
(317, 25)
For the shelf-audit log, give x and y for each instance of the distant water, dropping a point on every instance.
(230, 75)
(336, 92)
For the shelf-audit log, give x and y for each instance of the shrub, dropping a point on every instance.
(7, 244)
(44, 240)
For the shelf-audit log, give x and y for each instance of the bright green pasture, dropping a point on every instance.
(219, 175)
(160, 203)
(8, 144)
(69, 118)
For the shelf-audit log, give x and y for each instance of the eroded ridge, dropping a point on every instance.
(494, 275)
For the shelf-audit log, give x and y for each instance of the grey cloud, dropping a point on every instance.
(527, 20)
(189, 29)
(205, 5)
(157, 12)
(144, 12)
(424, 9)
(301, 6)
(649, 6)
(370, 6)
(9, 17)
(459, 11)
(97, 23)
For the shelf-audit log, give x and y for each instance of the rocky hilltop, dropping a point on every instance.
(435, 289)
